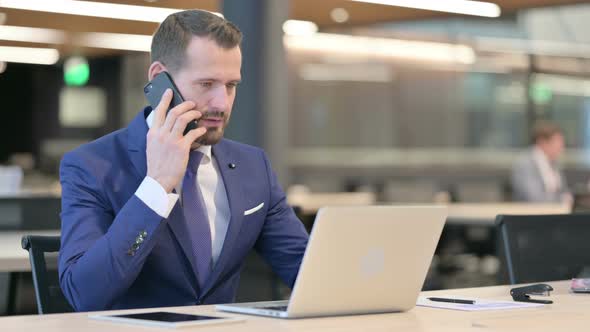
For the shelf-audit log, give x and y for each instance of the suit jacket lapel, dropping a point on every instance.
(235, 196)
(136, 141)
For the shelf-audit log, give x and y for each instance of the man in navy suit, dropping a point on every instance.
(152, 217)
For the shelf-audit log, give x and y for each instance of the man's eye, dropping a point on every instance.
(206, 84)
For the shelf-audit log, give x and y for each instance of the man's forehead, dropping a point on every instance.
(209, 43)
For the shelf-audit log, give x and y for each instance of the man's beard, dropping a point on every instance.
(213, 134)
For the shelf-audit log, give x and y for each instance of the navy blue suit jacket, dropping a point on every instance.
(102, 219)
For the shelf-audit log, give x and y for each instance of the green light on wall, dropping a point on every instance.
(76, 71)
(541, 93)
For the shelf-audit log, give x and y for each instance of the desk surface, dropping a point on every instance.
(310, 203)
(459, 213)
(13, 258)
(485, 213)
(568, 313)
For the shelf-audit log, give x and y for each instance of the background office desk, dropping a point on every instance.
(467, 251)
(468, 248)
(459, 213)
(310, 203)
(484, 214)
(569, 312)
(13, 258)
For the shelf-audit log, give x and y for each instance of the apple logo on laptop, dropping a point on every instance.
(372, 262)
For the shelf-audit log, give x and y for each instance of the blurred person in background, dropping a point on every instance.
(152, 217)
(536, 177)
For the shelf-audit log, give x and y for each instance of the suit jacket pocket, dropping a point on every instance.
(254, 209)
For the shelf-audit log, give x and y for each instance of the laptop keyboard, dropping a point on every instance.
(275, 307)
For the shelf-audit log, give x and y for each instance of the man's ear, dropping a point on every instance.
(155, 68)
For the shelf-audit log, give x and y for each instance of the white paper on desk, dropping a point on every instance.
(480, 305)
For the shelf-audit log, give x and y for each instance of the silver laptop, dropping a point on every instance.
(360, 260)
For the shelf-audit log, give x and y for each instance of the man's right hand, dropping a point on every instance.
(167, 149)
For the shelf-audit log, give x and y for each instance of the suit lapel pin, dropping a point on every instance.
(231, 165)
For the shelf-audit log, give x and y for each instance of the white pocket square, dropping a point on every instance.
(254, 209)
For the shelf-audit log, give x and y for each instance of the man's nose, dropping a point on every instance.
(220, 98)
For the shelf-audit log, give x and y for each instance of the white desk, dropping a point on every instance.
(459, 213)
(13, 258)
(310, 203)
(485, 213)
(568, 313)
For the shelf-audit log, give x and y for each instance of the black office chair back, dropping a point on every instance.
(50, 298)
(544, 247)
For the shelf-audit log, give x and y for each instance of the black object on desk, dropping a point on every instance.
(441, 299)
(30, 212)
(522, 294)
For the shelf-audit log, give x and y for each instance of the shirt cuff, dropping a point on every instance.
(152, 194)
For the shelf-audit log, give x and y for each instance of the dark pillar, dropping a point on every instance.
(260, 114)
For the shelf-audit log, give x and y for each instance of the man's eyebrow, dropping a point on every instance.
(206, 79)
(201, 79)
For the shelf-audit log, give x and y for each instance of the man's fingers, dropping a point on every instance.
(175, 113)
(183, 120)
(192, 135)
(160, 111)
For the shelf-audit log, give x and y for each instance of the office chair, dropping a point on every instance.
(535, 248)
(50, 298)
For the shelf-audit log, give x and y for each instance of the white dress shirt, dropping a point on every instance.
(550, 176)
(212, 188)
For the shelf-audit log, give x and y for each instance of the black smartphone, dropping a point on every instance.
(154, 90)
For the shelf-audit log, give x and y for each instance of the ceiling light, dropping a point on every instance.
(346, 45)
(41, 56)
(339, 15)
(116, 41)
(96, 9)
(466, 7)
(376, 73)
(299, 28)
(32, 35)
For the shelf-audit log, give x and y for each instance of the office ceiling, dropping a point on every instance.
(317, 11)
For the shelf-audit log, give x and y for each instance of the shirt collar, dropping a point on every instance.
(204, 149)
(540, 156)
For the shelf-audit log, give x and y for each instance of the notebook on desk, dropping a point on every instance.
(360, 260)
